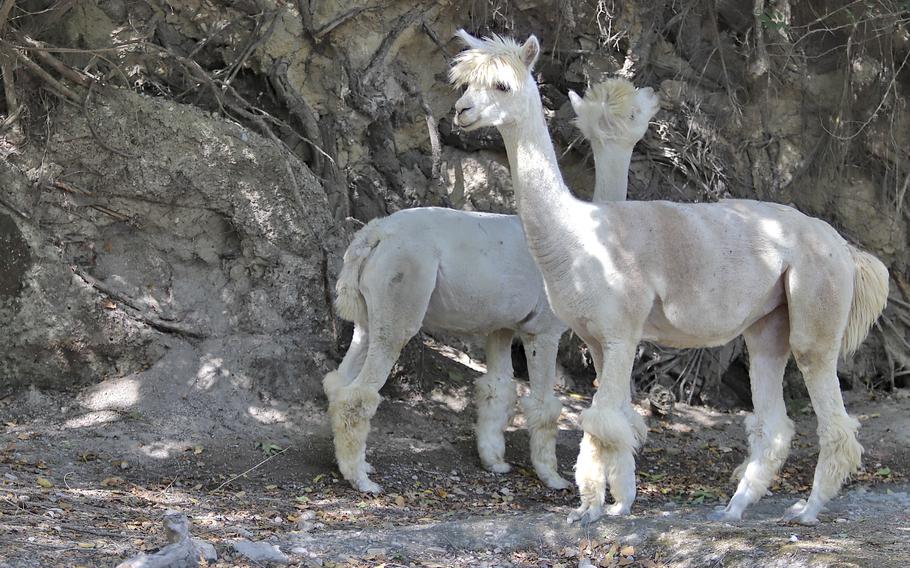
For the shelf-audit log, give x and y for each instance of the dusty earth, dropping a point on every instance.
(85, 478)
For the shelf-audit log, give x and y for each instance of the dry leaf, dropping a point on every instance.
(112, 481)
(85, 544)
(108, 304)
(45, 482)
(627, 550)
(400, 501)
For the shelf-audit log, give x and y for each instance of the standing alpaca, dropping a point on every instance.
(467, 272)
(681, 275)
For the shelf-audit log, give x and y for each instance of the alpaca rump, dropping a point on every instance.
(467, 272)
(681, 275)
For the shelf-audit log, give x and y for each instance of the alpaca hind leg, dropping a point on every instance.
(350, 365)
(819, 301)
(397, 297)
(770, 430)
(494, 394)
(613, 433)
(840, 454)
(542, 408)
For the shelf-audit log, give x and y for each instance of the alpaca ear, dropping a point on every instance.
(575, 100)
(469, 40)
(530, 51)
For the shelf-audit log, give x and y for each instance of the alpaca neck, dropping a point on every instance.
(611, 170)
(540, 192)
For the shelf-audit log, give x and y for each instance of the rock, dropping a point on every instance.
(261, 552)
(183, 552)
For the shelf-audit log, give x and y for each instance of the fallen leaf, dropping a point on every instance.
(628, 550)
(271, 487)
(108, 304)
(400, 501)
(45, 482)
(112, 481)
(883, 472)
(85, 544)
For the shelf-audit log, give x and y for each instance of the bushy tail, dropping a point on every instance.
(349, 302)
(870, 294)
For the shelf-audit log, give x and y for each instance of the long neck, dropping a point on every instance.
(540, 191)
(611, 170)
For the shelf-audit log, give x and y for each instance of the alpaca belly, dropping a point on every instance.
(479, 305)
(707, 323)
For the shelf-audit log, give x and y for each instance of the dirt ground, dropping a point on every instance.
(85, 478)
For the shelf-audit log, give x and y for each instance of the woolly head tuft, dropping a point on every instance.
(493, 61)
(614, 110)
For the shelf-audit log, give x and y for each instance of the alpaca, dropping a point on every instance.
(681, 275)
(467, 272)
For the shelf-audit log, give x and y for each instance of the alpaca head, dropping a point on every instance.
(614, 111)
(496, 74)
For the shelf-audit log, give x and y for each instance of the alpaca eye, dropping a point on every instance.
(502, 87)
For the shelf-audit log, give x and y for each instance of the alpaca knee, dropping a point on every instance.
(541, 414)
(542, 417)
(769, 445)
(840, 454)
(619, 433)
(619, 430)
(350, 411)
(495, 397)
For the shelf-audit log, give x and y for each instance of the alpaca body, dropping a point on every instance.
(468, 272)
(463, 256)
(692, 275)
(685, 275)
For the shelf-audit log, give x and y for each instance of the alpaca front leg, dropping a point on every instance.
(591, 477)
(542, 417)
(495, 397)
(616, 431)
(494, 394)
(542, 408)
(609, 456)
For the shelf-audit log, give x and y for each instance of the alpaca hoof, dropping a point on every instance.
(501, 467)
(367, 486)
(586, 514)
(555, 482)
(618, 510)
(722, 514)
(796, 512)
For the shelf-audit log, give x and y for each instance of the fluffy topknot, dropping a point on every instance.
(489, 62)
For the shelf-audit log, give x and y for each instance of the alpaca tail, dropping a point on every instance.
(870, 294)
(349, 302)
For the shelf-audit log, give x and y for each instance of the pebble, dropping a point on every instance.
(794, 538)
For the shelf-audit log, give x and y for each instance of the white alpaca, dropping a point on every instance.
(467, 272)
(682, 275)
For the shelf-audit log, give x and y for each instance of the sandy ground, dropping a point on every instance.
(85, 478)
